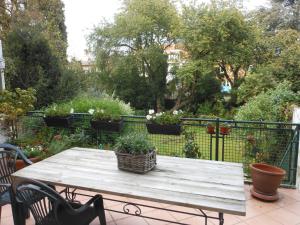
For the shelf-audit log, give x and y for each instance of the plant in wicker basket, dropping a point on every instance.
(135, 153)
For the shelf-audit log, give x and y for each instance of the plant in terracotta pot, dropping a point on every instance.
(58, 115)
(265, 177)
(33, 153)
(135, 153)
(168, 123)
(225, 129)
(210, 129)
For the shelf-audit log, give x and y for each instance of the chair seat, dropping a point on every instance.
(5, 198)
(84, 218)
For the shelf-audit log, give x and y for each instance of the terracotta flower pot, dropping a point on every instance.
(266, 179)
(224, 130)
(210, 130)
(20, 163)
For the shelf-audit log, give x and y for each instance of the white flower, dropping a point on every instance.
(158, 114)
(91, 111)
(180, 111)
(71, 110)
(151, 111)
(102, 111)
(148, 117)
(175, 112)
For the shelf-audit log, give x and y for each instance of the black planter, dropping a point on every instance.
(112, 126)
(57, 121)
(164, 129)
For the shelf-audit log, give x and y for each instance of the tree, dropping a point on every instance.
(142, 30)
(219, 36)
(279, 16)
(31, 63)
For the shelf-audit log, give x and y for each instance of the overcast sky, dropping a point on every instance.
(81, 18)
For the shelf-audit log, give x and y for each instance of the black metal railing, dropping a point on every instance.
(275, 143)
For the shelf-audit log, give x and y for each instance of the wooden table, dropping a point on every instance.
(200, 184)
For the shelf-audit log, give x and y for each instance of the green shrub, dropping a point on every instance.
(273, 105)
(134, 143)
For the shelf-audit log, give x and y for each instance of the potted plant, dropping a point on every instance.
(105, 120)
(168, 123)
(210, 129)
(58, 115)
(225, 129)
(135, 153)
(33, 153)
(265, 178)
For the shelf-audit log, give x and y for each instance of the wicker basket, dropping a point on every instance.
(136, 163)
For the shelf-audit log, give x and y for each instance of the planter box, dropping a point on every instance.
(20, 164)
(136, 163)
(164, 129)
(224, 130)
(58, 121)
(113, 126)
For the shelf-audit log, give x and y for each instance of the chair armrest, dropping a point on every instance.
(85, 206)
(18, 151)
(7, 187)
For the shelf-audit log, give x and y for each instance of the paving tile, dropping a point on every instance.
(262, 220)
(286, 211)
(284, 216)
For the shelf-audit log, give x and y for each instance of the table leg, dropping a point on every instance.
(221, 218)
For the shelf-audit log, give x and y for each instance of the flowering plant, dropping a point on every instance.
(101, 114)
(165, 118)
(33, 151)
(59, 111)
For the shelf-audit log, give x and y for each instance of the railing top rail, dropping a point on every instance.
(192, 119)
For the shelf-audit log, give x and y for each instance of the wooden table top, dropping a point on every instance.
(210, 185)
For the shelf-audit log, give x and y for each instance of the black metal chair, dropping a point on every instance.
(48, 207)
(8, 156)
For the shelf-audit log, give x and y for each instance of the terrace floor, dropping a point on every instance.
(286, 211)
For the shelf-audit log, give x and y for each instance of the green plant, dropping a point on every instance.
(59, 110)
(33, 151)
(165, 118)
(106, 115)
(14, 104)
(134, 143)
(191, 149)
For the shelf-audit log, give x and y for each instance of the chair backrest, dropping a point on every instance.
(7, 167)
(8, 156)
(43, 202)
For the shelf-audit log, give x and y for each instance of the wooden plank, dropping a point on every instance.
(185, 182)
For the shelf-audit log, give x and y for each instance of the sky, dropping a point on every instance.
(81, 18)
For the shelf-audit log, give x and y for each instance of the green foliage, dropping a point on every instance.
(191, 149)
(33, 151)
(134, 143)
(256, 83)
(59, 110)
(272, 105)
(165, 118)
(31, 63)
(137, 40)
(14, 104)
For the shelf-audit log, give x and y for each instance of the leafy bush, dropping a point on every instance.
(134, 143)
(14, 104)
(191, 148)
(165, 118)
(273, 105)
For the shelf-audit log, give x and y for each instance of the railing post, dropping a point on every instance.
(217, 138)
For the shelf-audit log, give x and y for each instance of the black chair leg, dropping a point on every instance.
(101, 213)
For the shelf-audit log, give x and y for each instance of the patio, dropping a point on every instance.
(286, 211)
